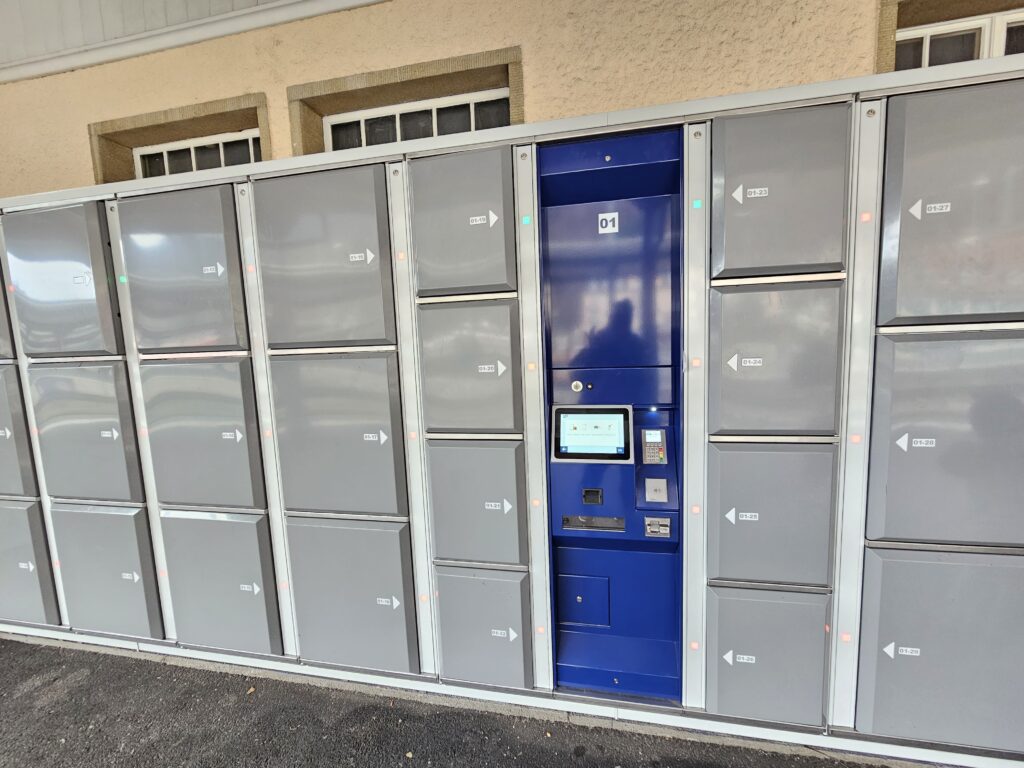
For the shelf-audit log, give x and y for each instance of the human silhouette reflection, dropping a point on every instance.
(607, 346)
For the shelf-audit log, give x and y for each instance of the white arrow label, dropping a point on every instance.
(503, 506)
(889, 650)
(492, 217)
(732, 362)
(737, 195)
(368, 256)
(383, 437)
(6, 433)
(236, 436)
(254, 588)
(503, 633)
(29, 566)
(498, 368)
(728, 657)
(902, 441)
(111, 434)
(892, 651)
(131, 576)
(731, 515)
(906, 441)
(391, 602)
(915, 210)
(501, 368)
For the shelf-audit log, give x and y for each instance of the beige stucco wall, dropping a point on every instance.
(579, 57)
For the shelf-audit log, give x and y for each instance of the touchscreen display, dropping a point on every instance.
(593, 434)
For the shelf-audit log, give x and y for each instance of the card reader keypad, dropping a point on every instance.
(654, 446)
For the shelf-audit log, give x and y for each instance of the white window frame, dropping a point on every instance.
(201, 141)
(397, 110)
(993, 28)
(1000, 23)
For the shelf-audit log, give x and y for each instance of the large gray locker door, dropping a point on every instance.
(478, 498)
(339, 426)
(107, 569)
(184, 274)
(354, 599)
(26, 581)
(771, 512)
(203, 433)
(222, 580)
(470, 365)
(774, 359)
(17, 474)
(953, 232)
(940, 648)
(770, 170)
(766, 655)
(58, 264)
(463, 233)
(946, 448)
(485, 628)
(86, 431)
(325, 257)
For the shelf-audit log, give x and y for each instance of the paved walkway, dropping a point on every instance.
(76, 708)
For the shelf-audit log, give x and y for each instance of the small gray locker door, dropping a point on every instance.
(463, 228)
(772, 169)
(940, 648)
(774, 359)
(86, 431)
(771, 512)
(485, 628)
(354, 599)
(339, 426)
(470, 365)
(946, 449)
(953, 233)
(26, 581)
(107, 569)
(325, 258)
(184, 274)
(17, 473)
(221, 573)
(203, 432)
(766, 655)
(58, 264)
(478, 500)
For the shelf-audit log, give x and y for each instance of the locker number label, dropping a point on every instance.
(608, 223)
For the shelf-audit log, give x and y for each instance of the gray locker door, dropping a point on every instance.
(766, 655)
(463, 222)
(478, 498)
(325, 257)
(86, 431)
(26, 581)
(184, 274)
(354, 599)
(946, 449)
(203, 432)
(485, 628)
(470, 365)
(107, 569)
(222, 580)
(771, 512)
(17, 473)
(953, 233)
(58, 262)
(339, 427)
(770, 170)
(774, 359)
(940, 648)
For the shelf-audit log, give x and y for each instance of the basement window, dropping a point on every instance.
(198, 154)
(977, 37)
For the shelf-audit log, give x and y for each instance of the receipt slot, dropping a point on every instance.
(610, 214)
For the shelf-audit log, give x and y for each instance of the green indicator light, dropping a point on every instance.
(697, 203)
(122, 278)
(526, 220)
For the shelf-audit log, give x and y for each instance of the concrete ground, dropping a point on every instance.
(62, 706)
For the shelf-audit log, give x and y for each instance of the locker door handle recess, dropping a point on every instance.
(593, 496)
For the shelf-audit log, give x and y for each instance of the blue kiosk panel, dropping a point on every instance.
(611, 254)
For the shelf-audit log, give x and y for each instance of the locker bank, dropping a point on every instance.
(707, 415)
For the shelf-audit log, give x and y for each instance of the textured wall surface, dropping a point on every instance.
(579, 57)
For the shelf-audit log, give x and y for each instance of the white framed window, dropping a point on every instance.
(977, 37)
(417, 119)
(198, 154)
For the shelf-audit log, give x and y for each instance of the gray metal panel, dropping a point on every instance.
(184, 274)
(354, 598)
(774, 359)
(478, 498)
(339, 428)
(325, 257)
(6, 342)
(26, 581)
(771, 512)
(463, 234)
(485, 628)
(766, 655)
(946, 449)
(57, 263)
(17, 473)
(222, 580)
(940, 650)
(203, 432)
(771, 169)
(107, 568)
(86, 431)
(953, 195)
(470, 362)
